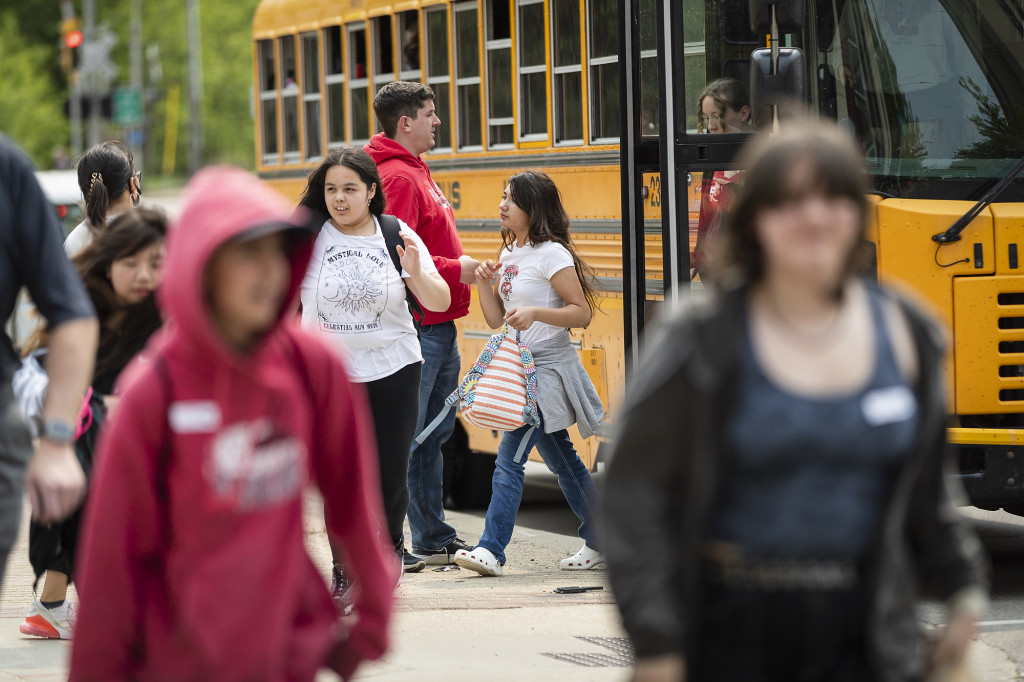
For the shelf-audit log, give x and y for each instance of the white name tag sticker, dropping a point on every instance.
(194, 416)
(888, 405)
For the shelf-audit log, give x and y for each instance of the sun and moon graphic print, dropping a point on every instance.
(352, 291)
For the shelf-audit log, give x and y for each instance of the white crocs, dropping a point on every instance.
(583, 560)
(478, 559)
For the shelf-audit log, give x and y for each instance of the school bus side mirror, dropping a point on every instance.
(790, 14)
(787, 88)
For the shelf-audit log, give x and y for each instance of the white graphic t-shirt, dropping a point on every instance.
(524, 279)
(353, 296)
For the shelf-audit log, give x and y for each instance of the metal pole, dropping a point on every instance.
(75, 104)
(195, 90)
(89, 30)
(135, 50)
(67, 11)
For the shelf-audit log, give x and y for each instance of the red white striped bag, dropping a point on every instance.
(499, 392)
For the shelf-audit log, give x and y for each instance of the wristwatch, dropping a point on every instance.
(58, 431)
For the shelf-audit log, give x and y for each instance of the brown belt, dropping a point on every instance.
(776, 574)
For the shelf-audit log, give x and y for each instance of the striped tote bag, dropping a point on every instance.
(499, 392)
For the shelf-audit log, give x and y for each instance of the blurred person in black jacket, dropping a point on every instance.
(776, 497)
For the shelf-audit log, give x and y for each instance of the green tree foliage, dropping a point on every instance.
(226, 28)
(31, 107)
(226, 32)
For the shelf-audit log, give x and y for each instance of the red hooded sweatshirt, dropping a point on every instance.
(215, 583)
(413, 196)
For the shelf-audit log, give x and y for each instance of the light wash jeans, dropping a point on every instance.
(507, 486)
(440, 376)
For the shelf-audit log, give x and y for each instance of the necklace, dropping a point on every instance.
(810, 338)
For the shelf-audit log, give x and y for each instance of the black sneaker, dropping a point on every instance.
(411, 563)
(441, 556)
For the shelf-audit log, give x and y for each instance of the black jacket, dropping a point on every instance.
(664, 473)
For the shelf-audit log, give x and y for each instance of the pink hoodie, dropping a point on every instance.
(215, 582)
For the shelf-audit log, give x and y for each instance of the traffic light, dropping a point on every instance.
(71, 43)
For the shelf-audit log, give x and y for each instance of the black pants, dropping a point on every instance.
(395, 404)
(749, 635)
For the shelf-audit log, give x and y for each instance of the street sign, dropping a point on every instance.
(127, 107)
(97, 70)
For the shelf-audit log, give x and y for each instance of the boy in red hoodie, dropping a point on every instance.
(192, 564)
(406, 114)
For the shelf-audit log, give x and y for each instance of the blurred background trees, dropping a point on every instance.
(34, 89)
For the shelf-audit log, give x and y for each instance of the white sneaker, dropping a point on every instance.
(583, 560)
(58, 623)
(478, 559)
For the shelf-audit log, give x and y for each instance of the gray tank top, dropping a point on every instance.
(809, 477)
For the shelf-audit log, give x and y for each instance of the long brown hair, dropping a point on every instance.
(538, 196)
(124, 329)
(837, 170)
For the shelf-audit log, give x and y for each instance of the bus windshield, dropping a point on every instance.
(934, 90)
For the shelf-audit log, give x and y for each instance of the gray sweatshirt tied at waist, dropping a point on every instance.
(565, 394)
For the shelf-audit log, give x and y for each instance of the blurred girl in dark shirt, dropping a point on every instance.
(121, 270)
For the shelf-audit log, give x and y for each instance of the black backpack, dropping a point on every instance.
(391, 230)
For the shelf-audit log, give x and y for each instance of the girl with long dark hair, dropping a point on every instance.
(121, 269)
(354, 297)
(541, 287)
(110, 185)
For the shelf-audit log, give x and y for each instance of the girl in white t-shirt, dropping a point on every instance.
(354, 297)
(541, 288)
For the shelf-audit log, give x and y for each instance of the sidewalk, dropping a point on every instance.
(448, 623)
(455, 620)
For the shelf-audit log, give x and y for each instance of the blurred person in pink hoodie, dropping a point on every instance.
(192, 563)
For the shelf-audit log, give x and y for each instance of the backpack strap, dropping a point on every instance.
(391, 230)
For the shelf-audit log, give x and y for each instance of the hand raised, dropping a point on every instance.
(409, 256)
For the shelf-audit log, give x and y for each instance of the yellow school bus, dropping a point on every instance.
(517, 85)
(602, 95)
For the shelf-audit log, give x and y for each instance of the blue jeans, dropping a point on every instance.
(441, 367)
(507, 486)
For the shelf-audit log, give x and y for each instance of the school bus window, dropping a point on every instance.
(311, 94)
(533, 86)
(268, 102)
(409, 45)
(335, 83)
(437, 72)
(604, 71)
(289, 100)
(383, 53)
(649, 73)
(359, 100)
(467, 75)
(498, 45)
(567, 78)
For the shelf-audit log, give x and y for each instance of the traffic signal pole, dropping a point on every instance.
(70, 23)
(89, 24)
